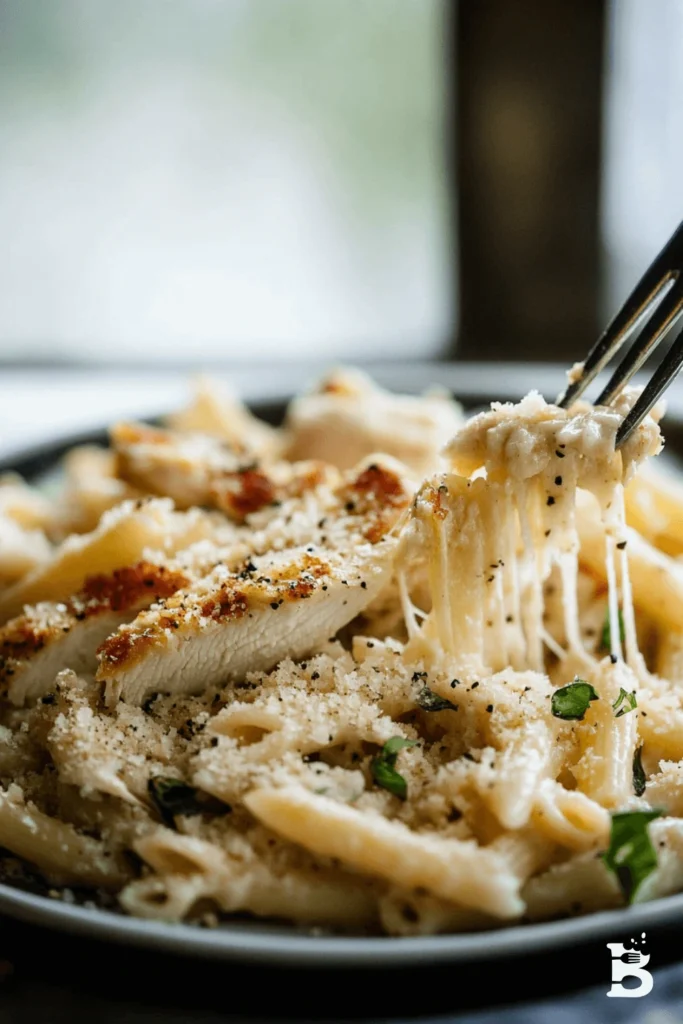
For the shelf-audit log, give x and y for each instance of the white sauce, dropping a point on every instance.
(495, 526)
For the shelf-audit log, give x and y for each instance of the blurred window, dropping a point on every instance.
(643, 170)
(223, 178)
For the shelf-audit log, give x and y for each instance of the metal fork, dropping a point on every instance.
(660, 293)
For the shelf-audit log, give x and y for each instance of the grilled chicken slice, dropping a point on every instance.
(121, 539)
(52, 636)
(282, 605)
(195, 469)
(361, 506)
(181, 466)
(348, 417)
(358, 507)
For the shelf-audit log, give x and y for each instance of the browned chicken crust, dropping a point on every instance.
(126, 589)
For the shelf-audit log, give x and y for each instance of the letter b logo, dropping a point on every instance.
(632, 966)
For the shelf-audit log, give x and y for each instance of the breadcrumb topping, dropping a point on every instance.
(381, 670)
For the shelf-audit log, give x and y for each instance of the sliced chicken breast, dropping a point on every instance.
(195, 469)
(52, 636)
(348, 416)
(181, 466)
(280, 606)
(362, 506)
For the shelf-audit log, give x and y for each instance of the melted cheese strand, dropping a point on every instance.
(410, 611)
(493, 536)
(532, 609)
(613, 600)
(569, 571)
(552, 645)
(633, 656)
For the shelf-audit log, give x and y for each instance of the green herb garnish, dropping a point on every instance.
(571, 701)
(606, 638)
(172, 797)
(631, 855)
(638, 773)
(430, 701)
(624, 703)
(383, 766)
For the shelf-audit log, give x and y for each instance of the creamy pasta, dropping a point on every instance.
(381, 669)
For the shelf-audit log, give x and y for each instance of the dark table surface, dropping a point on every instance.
(49, 978)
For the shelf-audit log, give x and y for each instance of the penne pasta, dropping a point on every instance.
(55, 847)
(455, 870)
(189, 870)
(337, 674)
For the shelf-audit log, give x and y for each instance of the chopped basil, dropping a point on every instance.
(606, 639)
(624, 703)
(383, 766)
(430, 701)
(631, 855)
(638, 773)
(172, 797)
(571, 701)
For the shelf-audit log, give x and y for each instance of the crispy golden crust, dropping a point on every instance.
(120, 591)
(379, 495)
(227, 598)
(255, 487)
(125, 588)
(247, 490)
(27, 634)
(200, 470)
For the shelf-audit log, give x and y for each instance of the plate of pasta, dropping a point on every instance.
(370, 678)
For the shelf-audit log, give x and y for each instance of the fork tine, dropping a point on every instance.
(662, 377)
(627, 320)
(631, 314)
(662, 320)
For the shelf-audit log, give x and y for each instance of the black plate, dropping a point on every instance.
(476, 386)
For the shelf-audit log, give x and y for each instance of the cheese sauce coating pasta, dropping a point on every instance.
(380, 670)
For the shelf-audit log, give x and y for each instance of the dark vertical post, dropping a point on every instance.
(528, 141)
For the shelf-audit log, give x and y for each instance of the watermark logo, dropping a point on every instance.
(630, 963)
